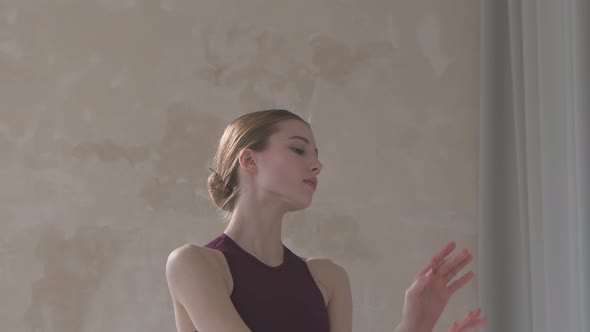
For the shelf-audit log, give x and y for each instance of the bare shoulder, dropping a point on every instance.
(327, 272)
(190, 249)
(189, 256)
(200, 294)
(186, 257)
(324, 265)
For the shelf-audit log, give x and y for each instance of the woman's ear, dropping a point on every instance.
(247, 160)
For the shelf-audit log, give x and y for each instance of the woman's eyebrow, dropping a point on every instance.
(306, 141)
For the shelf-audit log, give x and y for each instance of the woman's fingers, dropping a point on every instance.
(457, 284)
(470, 322)
(450, 263)
(437, 258)
(455, 264)
(475, 325)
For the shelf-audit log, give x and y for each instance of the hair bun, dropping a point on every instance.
(217, 189)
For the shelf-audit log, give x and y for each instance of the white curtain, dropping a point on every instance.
(534, 262)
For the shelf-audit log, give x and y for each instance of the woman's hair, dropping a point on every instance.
(252, 131)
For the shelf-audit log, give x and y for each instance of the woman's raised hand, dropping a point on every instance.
(471, 322)
(430, 292)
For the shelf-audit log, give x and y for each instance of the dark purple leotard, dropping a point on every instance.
(282, 298)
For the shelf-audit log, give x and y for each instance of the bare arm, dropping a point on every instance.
(197, 285)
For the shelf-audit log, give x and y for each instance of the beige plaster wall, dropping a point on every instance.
(111, 109)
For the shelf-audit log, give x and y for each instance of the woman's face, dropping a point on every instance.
(288, 161)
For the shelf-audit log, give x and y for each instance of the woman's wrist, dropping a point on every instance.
(399, 329)
(402, 328)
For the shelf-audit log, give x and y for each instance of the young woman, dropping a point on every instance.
(246, 279)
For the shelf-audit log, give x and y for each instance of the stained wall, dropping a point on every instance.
(111, 109)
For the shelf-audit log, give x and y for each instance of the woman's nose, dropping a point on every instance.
(317, 167)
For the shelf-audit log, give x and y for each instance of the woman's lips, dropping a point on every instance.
(311, 184)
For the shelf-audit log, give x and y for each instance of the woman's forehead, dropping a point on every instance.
(291, 128)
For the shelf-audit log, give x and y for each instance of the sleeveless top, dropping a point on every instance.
(282, 298)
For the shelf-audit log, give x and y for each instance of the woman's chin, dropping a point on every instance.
(305, 204)
(300, 204)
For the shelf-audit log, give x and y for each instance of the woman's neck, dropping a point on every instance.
(258, 230)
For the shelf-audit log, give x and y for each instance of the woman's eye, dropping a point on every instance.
(299, 151)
